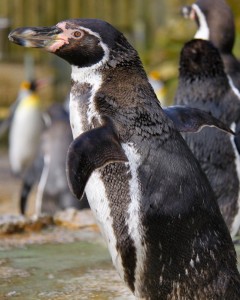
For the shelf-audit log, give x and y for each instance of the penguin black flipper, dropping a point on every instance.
(188, 119)
(89, 151)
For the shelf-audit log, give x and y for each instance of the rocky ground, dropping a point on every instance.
(15, 228)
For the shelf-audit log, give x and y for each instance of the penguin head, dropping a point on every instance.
(199, 58)
(81, 42)
(215, 22)
(30, 85)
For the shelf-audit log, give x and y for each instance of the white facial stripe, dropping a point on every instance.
(98, 201)
(203, 30)
(236, 222)
(133, 222)
(103, 46)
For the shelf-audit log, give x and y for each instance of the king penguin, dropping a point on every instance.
(153, 203)
(204, 84)
(26, 127)
(215, 22)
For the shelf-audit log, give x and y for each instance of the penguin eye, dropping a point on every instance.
(77, 34)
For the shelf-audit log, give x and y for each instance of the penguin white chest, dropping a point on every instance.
(103, 211)
(82, 106)
(24, 138)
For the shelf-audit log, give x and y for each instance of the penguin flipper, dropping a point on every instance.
(89, 151)
(189, 119)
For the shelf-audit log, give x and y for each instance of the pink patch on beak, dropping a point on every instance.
(57, 44)
(61, 39)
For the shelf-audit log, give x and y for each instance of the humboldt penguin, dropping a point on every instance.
(153, 203)
(204, 84)
(215, 22)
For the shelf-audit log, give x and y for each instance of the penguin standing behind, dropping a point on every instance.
(49, 168)
(152, 201)
(26, 128)
(204, 84)
(215, 22)
(38, 143)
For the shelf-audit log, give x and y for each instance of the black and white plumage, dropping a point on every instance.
(154, 205)
(215, 22)
(203, 84)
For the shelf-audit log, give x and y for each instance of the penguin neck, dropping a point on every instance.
(86, 82)
(87, 75)
(203, 29)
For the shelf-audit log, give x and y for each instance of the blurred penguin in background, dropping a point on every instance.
(49, 168)
(203, 84)
(25, 128)
(215, 22)
(38, 144)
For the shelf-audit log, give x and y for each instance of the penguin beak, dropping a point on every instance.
(35, 37)
(188, 12)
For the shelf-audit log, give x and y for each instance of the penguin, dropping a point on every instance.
(215, 22)
(48, 169)
(26, 126)
(38, 154)
(204, 84)
(153, 203)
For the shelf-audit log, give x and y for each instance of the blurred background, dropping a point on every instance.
(155, 28)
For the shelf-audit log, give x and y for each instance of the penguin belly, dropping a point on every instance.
(99, 204)
(24, 138)
(114, 195)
